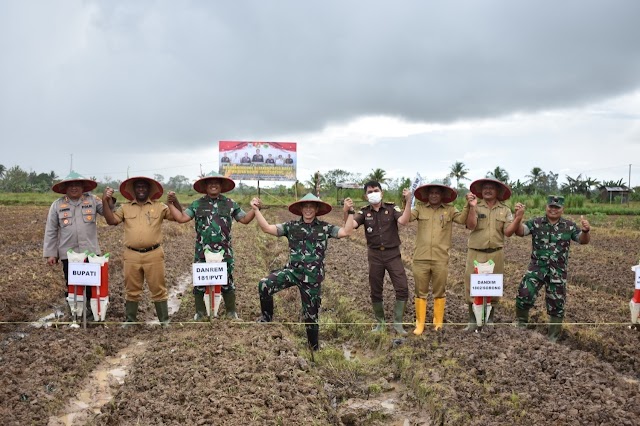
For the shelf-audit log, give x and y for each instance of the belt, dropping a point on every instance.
(382, 248)
(489, 250)
(144, 250)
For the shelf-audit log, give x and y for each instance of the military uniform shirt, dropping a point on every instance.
(551, 242)
(142, 222)
(307, 245)
(433, 239)
(72, 225)
(380, 227)
(213, 220)
(489, 232)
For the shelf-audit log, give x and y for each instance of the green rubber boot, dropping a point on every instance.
(230, 305)
(162, 310)
(555, 327)
(378, 311)
(398, 314)
(201, 308)
(472, 325)
(522, 317)
(131, 313)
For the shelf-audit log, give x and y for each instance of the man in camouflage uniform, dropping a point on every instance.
(308, 239)
(551, 239)
(213, 214)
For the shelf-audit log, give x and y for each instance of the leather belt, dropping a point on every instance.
(144, 250)
(489, 250)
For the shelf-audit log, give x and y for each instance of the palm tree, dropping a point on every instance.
(459, 171)
(377, 175)
(315, 182)
(535, 176)
(499, 174)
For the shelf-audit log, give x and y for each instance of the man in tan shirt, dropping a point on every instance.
(431, 258)
(143, 256)
(488, 219)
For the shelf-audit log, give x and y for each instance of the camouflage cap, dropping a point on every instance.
(555, 201)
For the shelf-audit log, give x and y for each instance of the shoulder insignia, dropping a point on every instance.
(397, 208)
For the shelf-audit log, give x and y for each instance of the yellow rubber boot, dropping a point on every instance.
(438, 313)
(421, 315)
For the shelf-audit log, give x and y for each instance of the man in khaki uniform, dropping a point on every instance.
(488, 219)
(144, 256)
(431, 258)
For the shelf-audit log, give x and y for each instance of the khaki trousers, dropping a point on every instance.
(139, 267)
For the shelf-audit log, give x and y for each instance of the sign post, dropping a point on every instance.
(213, 276)
(82, 275)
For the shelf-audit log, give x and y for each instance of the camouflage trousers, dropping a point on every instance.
(310, 292)
(554, 281)
(230, 287)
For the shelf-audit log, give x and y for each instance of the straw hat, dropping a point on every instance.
(226, 184)
(296, 207)
(448, 194)
(504, 192)
(88, 185)
(155, 188)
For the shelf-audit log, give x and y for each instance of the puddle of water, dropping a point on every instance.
(175, 294)
(98, 391)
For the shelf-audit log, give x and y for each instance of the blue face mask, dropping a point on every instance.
(374, 197)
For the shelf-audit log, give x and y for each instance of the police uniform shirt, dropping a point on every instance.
(71, 224)
(380, 227)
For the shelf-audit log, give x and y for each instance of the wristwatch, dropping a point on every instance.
(351, 211)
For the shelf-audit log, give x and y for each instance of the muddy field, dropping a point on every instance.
(241, 372)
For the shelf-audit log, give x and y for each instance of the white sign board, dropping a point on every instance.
(84, 274)
(209, 274)
(637, 278)
(486, 285)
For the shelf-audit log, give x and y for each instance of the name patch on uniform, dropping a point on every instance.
(486, 285)
(84, 274)
(209, 274)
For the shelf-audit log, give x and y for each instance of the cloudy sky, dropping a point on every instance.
(150, 87)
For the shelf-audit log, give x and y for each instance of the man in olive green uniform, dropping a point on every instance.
(214, 214)
(435, 216)
(488, 219)
(551, 237)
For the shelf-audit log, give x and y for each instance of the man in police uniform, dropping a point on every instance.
(214, 214)
(71, 223)
(308, 239)
(380, 220)
(488, 219)
(551, 239)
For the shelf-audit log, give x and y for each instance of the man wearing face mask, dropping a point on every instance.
(380, 220)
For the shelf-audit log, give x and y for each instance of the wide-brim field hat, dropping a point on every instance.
(226, 184)
(448, 194)
(88, 185)
(155, 188)
(296, 207)
(504, 192)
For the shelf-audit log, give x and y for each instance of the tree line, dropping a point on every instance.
(538, 181)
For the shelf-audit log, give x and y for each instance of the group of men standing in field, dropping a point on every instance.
(71, 224)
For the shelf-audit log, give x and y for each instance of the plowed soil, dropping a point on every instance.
(242, 372)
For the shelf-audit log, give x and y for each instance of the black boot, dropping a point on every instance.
(555, 327)
(266, 309)
(312, 337)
